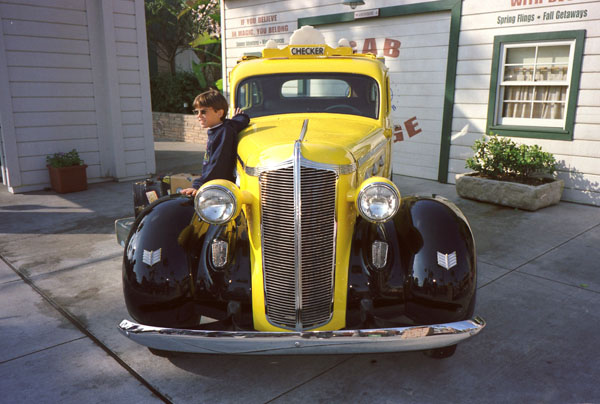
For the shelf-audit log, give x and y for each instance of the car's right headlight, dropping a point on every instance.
(216, 203)
(378, 200)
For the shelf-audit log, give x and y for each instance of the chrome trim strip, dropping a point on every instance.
(309, 342)
(298, 224)
(256, 171)
(372, 152)
(303, 131)
(339, 169)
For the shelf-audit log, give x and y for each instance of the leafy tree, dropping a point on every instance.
(172, 27)
(176, 25)
(168, 34)
(207, 42)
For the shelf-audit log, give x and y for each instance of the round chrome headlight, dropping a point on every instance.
(215, 204)
(378, 201)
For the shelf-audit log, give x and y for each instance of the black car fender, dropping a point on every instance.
(168, 276)
(157, 268)
(430, 270)
(440, 260)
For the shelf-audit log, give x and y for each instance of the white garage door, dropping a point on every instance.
(416, 51)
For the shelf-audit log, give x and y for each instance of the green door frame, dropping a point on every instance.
(455, 8)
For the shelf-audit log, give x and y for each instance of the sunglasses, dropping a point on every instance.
(200, 111)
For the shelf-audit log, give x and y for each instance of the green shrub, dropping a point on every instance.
(170, 92)
(501, 158)
(67, 159)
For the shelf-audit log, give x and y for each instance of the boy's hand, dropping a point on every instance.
(237, 111)
(188, 191)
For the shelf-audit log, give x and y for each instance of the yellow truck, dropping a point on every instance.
(312, 250)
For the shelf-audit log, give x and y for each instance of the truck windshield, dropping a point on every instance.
(338, 93)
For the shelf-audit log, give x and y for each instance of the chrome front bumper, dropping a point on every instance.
(311, 342)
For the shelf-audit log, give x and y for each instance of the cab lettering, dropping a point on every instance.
(308, 51)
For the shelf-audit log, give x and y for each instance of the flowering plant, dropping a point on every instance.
(501, 158)
(207, 16)
(64, 159)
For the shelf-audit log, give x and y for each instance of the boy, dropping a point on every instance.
(221, 148)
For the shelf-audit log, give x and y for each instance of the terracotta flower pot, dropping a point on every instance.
(68, 179)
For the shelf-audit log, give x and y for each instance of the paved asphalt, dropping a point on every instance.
(61, 301)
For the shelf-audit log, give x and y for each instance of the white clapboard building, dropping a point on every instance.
(74, 75)
(529, 69)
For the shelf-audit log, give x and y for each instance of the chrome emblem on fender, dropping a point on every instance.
(151, 257)
(446, 260)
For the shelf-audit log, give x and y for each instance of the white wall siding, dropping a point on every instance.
(74, 80)
(49, 96)
(579, 158)
(130, 88)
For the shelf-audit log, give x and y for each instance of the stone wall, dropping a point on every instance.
(177, 128)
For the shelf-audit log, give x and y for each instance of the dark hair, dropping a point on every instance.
(212, 99)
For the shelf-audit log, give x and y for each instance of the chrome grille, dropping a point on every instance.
(298, 293)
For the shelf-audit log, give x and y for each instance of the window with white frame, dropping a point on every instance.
(534, 84)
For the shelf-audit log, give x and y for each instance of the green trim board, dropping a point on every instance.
(451, 67)
(455, 8)
(392, 11)
(326, 19)
(530, 132)
(533, 131)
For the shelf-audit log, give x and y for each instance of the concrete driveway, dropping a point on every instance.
(61, 299)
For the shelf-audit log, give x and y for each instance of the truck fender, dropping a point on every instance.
(158, 262)
(439, 256)
(429, 273)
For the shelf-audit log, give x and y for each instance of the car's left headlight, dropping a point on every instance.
(216, 203)
(378, 200)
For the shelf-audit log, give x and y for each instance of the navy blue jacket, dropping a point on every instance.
(221, 150)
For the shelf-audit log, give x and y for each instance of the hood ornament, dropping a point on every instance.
(446, 260)
(152, 257)
(303, 131)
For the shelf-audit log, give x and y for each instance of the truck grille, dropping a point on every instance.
(298, 293)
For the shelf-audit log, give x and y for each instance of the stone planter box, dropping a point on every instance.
(522, 196)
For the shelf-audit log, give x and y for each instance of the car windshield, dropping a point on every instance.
(338, 93)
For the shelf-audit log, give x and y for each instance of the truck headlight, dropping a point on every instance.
(378, 200)
(216, 204)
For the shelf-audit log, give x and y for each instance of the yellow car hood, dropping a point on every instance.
(330, 139)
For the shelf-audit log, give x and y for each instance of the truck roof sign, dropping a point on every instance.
(306, 51)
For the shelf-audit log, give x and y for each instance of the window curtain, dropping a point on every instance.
(548, 102)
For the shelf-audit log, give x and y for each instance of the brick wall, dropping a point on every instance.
(177, 128)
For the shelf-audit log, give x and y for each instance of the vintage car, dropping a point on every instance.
(312, 250)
